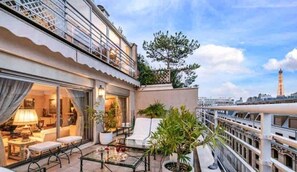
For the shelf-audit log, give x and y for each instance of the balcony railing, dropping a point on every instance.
(211, 118)
(62, 19)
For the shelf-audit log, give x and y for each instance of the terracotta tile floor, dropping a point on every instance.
(88, 166)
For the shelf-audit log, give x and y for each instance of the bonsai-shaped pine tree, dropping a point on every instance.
(173, 50)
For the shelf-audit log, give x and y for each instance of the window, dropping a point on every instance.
(47, 105)
(257, 144)
(250, 157)
(293, 123)
(250, 141)
(276, 169)
(257, 166)
(289, 161)
(279, 120)
(121, 102)
(274, 154)
(240, 149)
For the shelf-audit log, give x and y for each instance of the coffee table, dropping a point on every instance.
(112, 157)
(133, 145)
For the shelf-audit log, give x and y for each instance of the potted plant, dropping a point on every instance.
(108, 120)
(178, 133)
(156, 110)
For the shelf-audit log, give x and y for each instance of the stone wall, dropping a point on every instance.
(169, 97)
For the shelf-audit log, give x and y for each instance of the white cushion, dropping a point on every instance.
(155, 124)
(45, 146)
(142, 126)
(143, 130)
(69, 139)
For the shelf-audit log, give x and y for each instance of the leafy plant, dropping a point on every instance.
(146, 75)
(108, 119)
(156, 110)
(112, 115)
(178, 133)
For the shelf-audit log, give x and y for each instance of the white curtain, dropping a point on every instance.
(78, 100)
(12, 93)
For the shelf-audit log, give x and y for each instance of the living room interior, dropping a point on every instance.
(36, 119)
(40, 105)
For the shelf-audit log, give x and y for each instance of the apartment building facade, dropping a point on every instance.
(61, 56)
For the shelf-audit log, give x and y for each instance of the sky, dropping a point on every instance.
(243, 44)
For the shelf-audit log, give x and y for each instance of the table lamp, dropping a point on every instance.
(25, 117)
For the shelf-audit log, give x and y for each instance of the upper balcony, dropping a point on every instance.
(81, 25)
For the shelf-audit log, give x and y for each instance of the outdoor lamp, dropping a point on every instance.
(25, 117)
(101, 91)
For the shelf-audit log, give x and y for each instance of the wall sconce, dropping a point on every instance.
(101, 91)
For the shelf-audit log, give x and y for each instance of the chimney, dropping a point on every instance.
(102, 9)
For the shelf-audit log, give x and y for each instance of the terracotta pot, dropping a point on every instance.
(105, 138)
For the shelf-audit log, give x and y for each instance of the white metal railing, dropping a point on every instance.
(229, 158)
(267, 138)
(62, 19)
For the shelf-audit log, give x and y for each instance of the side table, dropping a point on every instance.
(22, 145)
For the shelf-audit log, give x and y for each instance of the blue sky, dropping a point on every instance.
(243, 43)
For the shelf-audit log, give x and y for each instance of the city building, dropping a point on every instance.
(243, 124)
(267, 99)
(204, 101)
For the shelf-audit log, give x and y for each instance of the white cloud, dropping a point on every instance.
(222, 59)
(288, 63)
(217, 54)
(228, 89)
(220, 67)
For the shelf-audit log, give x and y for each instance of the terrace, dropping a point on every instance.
(227, 155)
(205, 157)
(251, 145)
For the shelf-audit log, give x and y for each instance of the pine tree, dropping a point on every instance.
(173, 50)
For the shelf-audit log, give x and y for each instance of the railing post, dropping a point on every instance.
(215, 119)
(204, 114)
(215, 163)
(265, 146)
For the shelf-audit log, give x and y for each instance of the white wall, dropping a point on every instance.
(170, 97)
